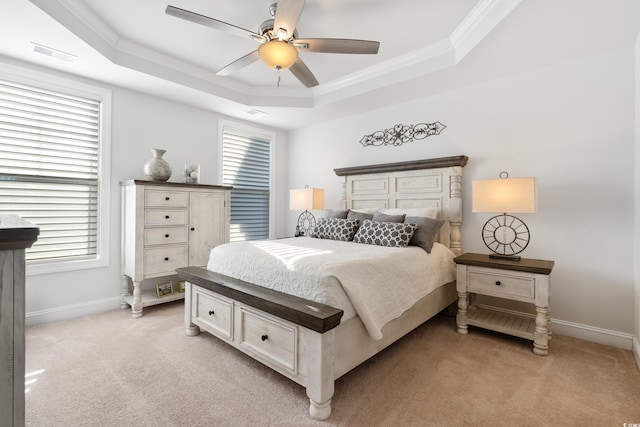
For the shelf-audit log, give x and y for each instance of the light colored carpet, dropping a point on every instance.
(112, 370)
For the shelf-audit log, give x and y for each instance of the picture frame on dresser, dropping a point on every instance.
(164, 289)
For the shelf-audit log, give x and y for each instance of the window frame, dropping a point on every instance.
(65, 85)
(251, 131)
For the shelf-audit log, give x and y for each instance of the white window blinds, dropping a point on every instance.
(246, 166)
(49, 165)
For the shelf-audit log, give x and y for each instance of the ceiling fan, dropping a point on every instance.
(279, 42)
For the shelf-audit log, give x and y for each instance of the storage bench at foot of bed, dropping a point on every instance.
(268, 326)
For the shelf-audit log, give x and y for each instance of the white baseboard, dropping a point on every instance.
(636, 350)
(593, 334)
(68, 312)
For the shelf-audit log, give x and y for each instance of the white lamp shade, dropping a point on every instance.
(516, 195)
(306, 199)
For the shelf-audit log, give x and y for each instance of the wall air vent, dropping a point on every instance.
(54, 53)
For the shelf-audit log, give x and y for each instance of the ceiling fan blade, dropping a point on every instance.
(303, 73)
(213, 23)
(338, 45)
(248, 59)
(287, 15)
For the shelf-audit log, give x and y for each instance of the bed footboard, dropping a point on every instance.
(289, 334)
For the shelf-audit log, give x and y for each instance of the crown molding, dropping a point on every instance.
(81, 21)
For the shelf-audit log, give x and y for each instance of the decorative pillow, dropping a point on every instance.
(336, 228)
(431, 212)
(330, 213)
(426, 232)
(388, 218)
(385, 233)
(359, 215)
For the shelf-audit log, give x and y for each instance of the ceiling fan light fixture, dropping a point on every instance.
(277, 54)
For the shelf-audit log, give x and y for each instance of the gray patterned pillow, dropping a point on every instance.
(385, 233)
(336, 228)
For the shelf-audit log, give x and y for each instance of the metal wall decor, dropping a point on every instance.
(401, 134)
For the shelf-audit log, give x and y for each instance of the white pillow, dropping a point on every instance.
(431, 212)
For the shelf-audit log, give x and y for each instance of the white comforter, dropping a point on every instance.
(376, 283)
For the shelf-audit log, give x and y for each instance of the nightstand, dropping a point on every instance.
(526, 280)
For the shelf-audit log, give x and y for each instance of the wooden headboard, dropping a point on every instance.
(415, 184)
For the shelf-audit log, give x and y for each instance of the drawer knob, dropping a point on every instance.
(211, 312)
(166, 235)
(166, 216)
(166, 258)
(193, 229)
(264, 337)
(498, 283)
(167, 198)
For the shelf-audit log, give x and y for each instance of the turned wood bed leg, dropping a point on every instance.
(320, 374)
(192, 330)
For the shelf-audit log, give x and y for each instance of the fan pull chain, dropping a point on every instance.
(278, 70)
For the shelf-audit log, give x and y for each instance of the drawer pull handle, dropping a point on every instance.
(211, 312)
(166, 235)
(498, 283)
(166, 216)
(167, 198)
(166, 258)
(193, 229)
(264, 337)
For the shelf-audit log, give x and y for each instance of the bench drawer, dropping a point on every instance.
(271, 339)
(212, 313)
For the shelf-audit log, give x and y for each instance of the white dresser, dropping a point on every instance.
(166, 225)
(15, 236)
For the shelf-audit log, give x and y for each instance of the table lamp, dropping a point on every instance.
(505, 235)
(306, 199)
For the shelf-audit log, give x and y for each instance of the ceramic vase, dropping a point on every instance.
(157, 169)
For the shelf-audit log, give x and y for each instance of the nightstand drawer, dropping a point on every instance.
(500, 283)
(269, 338)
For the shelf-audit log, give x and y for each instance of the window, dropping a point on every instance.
(246, 165)
(53, 170)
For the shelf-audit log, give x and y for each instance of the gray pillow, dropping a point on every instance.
(359, 215)
(388, 218)
(335, 229)
(384, 233)
(330, 213)
(425, 234)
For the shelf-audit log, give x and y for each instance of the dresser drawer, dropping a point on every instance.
(165, 236)
(500, 283)
(164, 259)
(212, 313)
(164, 198)
(159, 217)
(269, 338)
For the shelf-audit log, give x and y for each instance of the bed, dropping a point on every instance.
(313, 336)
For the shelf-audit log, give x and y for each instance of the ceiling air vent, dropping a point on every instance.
(54, 53)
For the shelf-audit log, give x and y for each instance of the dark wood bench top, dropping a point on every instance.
(309, 314)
